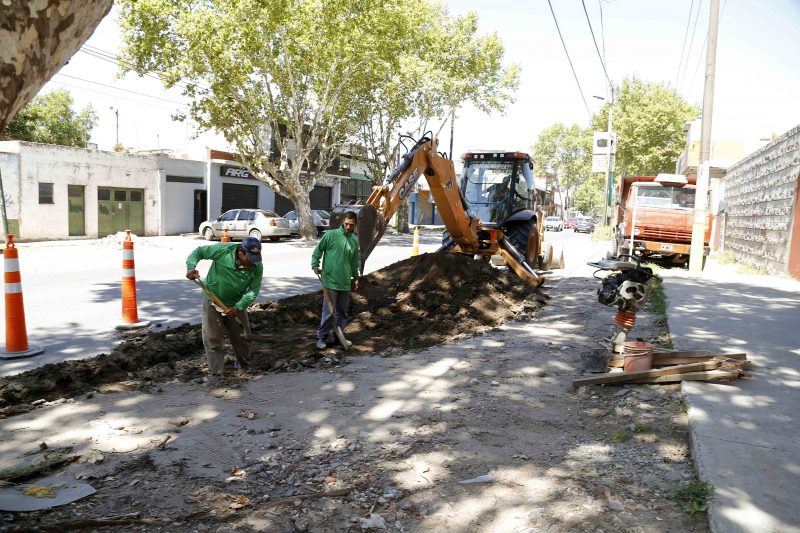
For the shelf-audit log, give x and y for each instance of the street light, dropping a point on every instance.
(116, 112)
(609, 174)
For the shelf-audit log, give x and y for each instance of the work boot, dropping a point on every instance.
(321, 344)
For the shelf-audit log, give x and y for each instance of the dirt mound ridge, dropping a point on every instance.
(412, 304)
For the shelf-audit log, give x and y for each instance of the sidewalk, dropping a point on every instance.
(744, 434)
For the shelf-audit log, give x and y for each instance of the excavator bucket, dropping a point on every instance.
(370, 228)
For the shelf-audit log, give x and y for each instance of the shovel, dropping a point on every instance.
(336, 328)
(245, 337)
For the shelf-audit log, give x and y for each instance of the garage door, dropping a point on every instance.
(321, 198)
(235, 196)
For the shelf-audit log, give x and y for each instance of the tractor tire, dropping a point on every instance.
(519, 234)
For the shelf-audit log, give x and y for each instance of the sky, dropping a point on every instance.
(755, 96)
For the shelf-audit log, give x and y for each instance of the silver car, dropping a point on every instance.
(322, 221)
(241, 223)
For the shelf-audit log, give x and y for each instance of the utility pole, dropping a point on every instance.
(610, 171)
(452, 127)
(701, 201)
(116, 112)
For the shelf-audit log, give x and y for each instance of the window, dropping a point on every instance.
(246, 215)
(136, 196)
(120, 196)
(45, 193)
(230, 215)
(270, 214)
(104, 194)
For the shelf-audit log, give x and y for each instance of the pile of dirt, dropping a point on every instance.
(415, 303)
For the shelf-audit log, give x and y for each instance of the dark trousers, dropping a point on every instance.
(214, 325)
(340, 300)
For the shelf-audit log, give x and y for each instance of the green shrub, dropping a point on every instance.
(695, 496)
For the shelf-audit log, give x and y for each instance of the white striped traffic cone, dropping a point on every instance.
(16, 332)
(130, 314)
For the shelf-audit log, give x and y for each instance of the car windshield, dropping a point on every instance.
(552, 219)
(487, 186)
(323, 213)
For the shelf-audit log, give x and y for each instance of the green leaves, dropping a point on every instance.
(648, 118)
(50, 119)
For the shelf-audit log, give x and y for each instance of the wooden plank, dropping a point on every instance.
(668, 358)
(627, 377)
(709, 375)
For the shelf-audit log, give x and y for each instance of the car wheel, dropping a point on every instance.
(208, 234)
(255, 233)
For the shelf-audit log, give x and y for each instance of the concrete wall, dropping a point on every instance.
(177, 207)
(760, 203)
(266, 198)
(63, 166)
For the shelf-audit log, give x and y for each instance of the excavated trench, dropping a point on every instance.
(415, 303)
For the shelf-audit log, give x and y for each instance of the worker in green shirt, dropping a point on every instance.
(235, 278)
(339, 251)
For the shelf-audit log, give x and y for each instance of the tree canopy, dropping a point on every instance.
(289, 82)
(50, 119)
(649, 120)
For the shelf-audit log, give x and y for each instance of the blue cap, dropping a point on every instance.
(252, 249)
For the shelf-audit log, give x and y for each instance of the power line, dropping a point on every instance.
(568, 59)
(602, 62)
(121, 89)
(110, 57)
(691, 41)
(602, 29)
(116, 96)
(683, 48)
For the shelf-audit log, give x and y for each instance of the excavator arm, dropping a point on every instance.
(383, 202)
(465, 230)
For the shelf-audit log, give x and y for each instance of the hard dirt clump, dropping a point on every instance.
(415, 303)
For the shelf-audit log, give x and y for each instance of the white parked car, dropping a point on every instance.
(554, 224)
(241, 223)
(322, 221)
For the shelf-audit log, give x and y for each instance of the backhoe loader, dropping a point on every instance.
(490, 212)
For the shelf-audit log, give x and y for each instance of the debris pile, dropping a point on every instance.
(412, 304)
(676, 366)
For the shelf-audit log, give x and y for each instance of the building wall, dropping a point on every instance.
(266, 198)
(760, 204)
(177, 211)
(63, 166)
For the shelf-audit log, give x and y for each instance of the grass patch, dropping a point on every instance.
(744, 268)
(601, 233)
(643, 428)
(695, 496)
(725, 258)
(685, 407)
(657, 304)
(618, 437)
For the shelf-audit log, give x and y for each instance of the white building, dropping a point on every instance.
(60, 192)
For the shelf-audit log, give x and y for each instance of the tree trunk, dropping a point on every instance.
(402, 217)
(302, 206)
(39, 38)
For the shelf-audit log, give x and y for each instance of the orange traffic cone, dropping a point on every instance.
(130, 315)
(225, 237)
(16, 332)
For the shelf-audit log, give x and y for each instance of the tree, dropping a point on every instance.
(286, 82)
(449, 66)
(38, 39)
(649, 120)
(50, 119)
(564, 152)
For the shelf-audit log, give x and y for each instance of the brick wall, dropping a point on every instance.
(760, 202)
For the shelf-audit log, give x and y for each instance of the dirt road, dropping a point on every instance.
(480, 433)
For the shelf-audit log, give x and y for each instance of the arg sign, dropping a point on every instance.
(228, 171)
(604, 144)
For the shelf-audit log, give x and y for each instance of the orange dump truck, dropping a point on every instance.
(653, 217)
